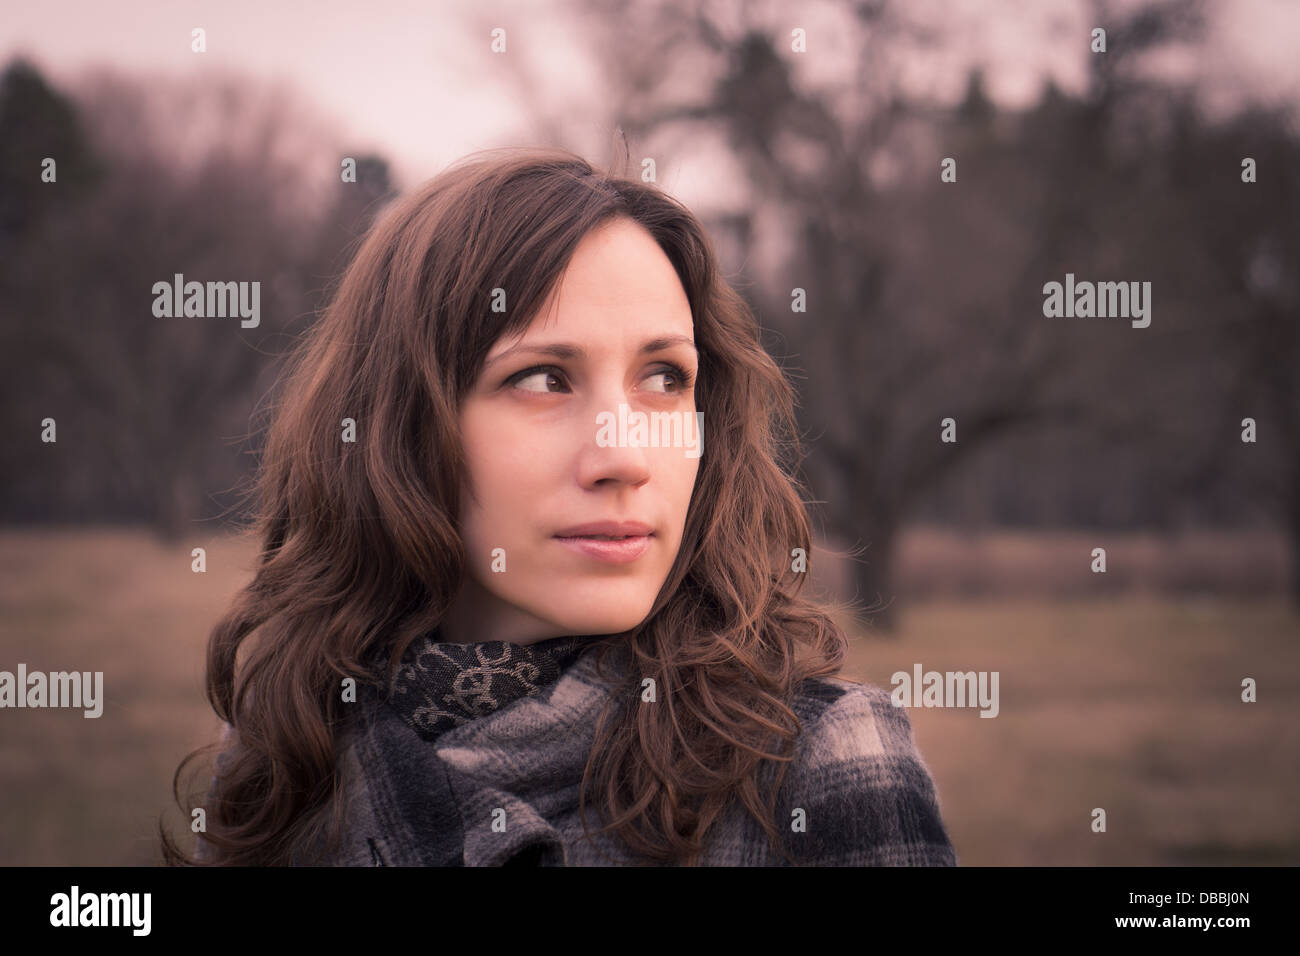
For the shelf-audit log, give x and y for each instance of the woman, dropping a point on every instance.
(506, 590)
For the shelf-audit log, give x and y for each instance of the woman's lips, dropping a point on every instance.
(613, 552)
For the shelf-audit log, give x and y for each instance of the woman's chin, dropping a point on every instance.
(601, 620)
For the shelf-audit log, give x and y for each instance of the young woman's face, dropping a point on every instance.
(549, 450)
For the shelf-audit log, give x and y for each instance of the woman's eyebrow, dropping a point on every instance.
(566, 350)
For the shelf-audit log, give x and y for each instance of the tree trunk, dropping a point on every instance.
(873, 578)
(1294, 534)
(178, 507)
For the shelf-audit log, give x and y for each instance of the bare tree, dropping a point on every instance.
(219, 181)
(923, 299)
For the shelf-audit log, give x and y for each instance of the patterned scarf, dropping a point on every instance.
(441, 685)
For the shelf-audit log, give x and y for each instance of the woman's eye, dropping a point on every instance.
(541, 374)
(679, 376)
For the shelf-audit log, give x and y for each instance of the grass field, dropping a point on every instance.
(1130, 703)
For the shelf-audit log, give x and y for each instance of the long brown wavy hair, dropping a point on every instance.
(360, 553)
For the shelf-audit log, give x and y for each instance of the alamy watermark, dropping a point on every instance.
(102, 909)
(947, 689)
(213, 300)
(1103, 300)
(56, 689)
(630, 429)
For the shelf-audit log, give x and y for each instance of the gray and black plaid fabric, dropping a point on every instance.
(479, 761)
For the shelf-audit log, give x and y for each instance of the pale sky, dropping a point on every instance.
(415, 81)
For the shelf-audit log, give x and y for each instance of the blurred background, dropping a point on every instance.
(811, 139)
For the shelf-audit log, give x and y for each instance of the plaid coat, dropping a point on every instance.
(431, 783)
